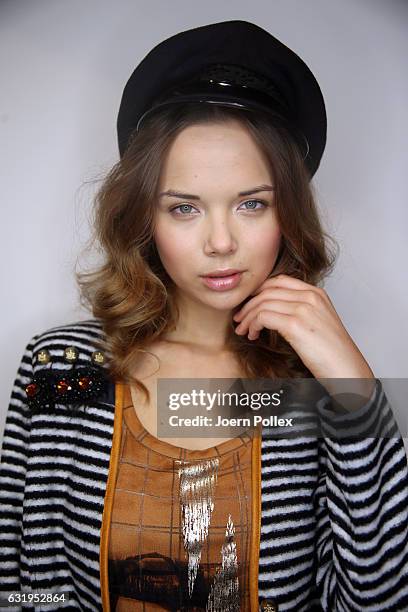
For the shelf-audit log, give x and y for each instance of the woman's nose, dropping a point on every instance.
(220, 237)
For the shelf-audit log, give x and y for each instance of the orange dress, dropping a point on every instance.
(180, 525)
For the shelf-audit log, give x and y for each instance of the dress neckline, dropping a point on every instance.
(171, 450)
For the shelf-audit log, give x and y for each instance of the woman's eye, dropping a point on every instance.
(254, 202)
(183, 207)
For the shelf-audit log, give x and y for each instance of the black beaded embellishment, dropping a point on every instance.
(71, 387)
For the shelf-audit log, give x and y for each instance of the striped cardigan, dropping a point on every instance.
(334, 512)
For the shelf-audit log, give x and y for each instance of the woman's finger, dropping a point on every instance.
(279, 293)
(289, 282)
(272, 320)
(280, 306)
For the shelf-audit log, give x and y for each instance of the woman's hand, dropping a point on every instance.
(304, 315)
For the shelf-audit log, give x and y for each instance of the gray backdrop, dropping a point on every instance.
(63, 68)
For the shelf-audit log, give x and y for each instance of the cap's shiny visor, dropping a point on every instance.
(230, 95)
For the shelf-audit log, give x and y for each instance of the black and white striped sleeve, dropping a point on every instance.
(13, 465)
(361, 505)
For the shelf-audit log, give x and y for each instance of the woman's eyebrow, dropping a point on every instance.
(189, 196)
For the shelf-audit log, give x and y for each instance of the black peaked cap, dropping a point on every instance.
(260, 70)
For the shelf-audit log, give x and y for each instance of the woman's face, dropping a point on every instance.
(209, 226)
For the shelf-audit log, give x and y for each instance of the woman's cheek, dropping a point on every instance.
(267, 245)
(175, 253)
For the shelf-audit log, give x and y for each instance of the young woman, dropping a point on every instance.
(213, 257)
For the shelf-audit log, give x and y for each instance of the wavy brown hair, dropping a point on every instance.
(131, 292)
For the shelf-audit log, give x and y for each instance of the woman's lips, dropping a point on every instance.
(222, 283)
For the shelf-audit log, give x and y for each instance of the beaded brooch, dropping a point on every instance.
(68, 387)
